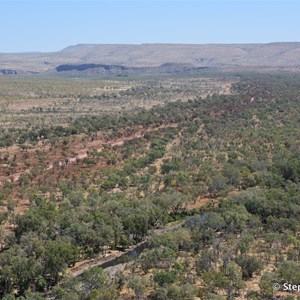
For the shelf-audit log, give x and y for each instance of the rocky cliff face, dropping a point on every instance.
(8, 72)
(93, 69)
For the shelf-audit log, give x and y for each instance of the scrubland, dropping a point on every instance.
(202, 170)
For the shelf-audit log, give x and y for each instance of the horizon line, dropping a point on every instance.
(145, 44)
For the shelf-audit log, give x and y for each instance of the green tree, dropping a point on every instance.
(57, 256)
(249, 265)
(138, 285)
(163, 278)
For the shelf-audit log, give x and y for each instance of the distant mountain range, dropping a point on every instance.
(122, 59)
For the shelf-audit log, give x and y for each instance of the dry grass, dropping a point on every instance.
(35, 101)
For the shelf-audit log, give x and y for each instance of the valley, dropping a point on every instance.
(200, 171)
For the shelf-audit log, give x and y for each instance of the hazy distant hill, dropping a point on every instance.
(274, 55)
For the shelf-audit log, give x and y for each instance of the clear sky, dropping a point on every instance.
(50, 25)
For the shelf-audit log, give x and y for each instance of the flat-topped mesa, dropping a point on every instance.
(271, 55)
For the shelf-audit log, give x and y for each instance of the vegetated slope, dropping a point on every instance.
(239, 151)
(276, 55)
(273, 54)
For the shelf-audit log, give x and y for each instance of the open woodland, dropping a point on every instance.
(165, 187)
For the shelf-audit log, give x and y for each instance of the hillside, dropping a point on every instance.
(225, 56)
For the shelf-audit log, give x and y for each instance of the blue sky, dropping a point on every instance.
(50, 25)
